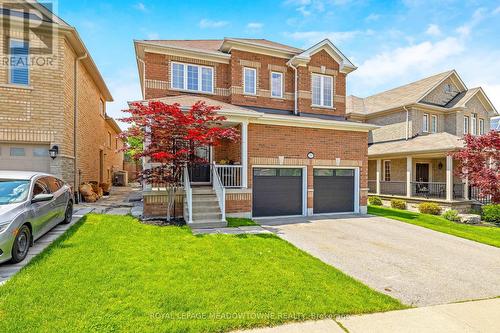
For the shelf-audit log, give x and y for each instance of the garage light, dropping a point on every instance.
(53, 152)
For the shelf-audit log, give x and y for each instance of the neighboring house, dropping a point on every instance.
(421, 123)
(297, 153)
(39, 99)
(495, 123)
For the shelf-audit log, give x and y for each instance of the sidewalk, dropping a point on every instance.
(474, 316)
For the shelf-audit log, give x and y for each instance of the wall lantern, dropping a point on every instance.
(53, 152)
(310, 155)
(440, 165)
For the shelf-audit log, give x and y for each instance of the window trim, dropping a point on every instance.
(322, 91)
(435, 129)
(425, 123)
(185, 77)
(281, 84)
(481, 126)
(387, 162)
(466, 125)
(9, 68)
(473, 124)
(254, 81)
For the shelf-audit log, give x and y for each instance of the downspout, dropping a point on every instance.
(75, 124)
(295, 95)
(143, 85)
(407, 122)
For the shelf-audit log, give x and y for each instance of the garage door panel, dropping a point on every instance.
(24, 157)
(277, 193)
(334, 191)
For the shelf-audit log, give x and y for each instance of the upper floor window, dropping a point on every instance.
(474, 124)
(481, 126)
(249, 81)
(466, 125)
(19, 62)
(109, 139)
(102, 110)
(425, 123)
(322, 90)
(387, 171)
(276, 84)
(192, 77)
(434, 123)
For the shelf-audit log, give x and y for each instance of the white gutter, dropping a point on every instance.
(143, 83)
(295, 94)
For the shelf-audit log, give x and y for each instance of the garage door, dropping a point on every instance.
(333, 191)
(22, 157)
(277, 192)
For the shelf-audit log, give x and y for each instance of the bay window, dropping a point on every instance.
(322, 90)
(192, 77)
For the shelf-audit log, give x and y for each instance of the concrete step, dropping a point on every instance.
(203, 190)
(204, 199)
(212, 216)
(207, 224)
(208, 210)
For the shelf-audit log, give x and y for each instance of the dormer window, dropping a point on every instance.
(322, 90)
(192, 77)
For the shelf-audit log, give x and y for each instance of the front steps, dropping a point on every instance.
(206, 211)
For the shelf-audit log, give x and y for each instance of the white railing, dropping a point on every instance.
(189, 197)
(220, 191)
(230, 175)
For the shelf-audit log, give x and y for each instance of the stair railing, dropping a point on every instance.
(219, 189)
(189, 196)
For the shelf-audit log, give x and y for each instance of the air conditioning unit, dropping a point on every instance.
(120, 178)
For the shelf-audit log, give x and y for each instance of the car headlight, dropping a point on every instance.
(3, 226)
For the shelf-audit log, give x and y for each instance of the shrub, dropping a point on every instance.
(429, 208)
(398, 204)
(451, 215)
(491, 213)
(375, 201)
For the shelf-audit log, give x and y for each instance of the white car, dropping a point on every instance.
(31, 203)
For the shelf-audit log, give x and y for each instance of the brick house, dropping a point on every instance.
(420, 123)
(297, 153)
(58, 103)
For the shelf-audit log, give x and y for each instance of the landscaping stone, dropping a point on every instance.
(470, 218)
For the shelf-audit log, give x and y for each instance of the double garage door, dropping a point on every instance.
(24, 157)
(280, 191)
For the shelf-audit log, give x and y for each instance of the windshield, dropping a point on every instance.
(13, 191)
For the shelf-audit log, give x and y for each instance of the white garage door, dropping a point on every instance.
(23, 157)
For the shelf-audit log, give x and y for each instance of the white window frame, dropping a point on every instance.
(466, 125)
(387, 162)
(473, 124)
(254, 70)
(434, 124)
(281, 84)
(10, 68)
(322, 91)
(481, 126)
(185, 77)
(425, 123)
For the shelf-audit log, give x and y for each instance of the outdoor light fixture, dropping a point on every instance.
(310, 155)
(440, 165)
(53, 152)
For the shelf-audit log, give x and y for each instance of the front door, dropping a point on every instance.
(422, 173)
(199, 171)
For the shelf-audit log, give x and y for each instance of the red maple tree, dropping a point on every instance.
(479, 160)
(171, 136)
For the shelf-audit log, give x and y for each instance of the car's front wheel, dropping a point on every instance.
(68, 214)
(22, 244)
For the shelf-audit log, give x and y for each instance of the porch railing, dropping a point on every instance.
(230, 175)
(393, 187)
(458, 191)
(220, 191)
(188, 211)
(428, 190)
(475, 194)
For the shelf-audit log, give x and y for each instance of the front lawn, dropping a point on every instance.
(482, 234)
(234, 222)
(111, 273)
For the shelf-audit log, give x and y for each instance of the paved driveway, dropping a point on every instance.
(413, 264)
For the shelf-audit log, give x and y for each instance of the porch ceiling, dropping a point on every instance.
(425, 144)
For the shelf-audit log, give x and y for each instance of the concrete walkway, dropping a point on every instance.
(470, 317)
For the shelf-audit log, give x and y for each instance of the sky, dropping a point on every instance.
(391, 42)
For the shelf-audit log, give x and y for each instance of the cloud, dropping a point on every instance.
(209, 24)
(477, 17)
(141, 7)
(496, 11)
(311, 7)
(153, 36)
(372, 17)
(254, 27)
(313, 37)
(433, 30)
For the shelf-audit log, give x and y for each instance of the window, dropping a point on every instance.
(466, 125)
(434, 123)
(474, 124)
(387, 171)
(102, 110)
(276, 84)
(109, 139)
(40, 152)
(250, 80)
(322, 90)
(481, 126)
(425, 124)
(448, 89)
(192, 77)
(116, 144)
(17, 152)
(19, 65)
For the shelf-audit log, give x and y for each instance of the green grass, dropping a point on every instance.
(234, 222)
(111, 274)
(481, 234)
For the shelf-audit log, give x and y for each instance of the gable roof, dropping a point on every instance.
(264, 43)
(345, 64)
(410, 93)
(461, 99)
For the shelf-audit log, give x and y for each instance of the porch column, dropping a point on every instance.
(409, 171)
(449, 178)
(244, 154)
(379, 174)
